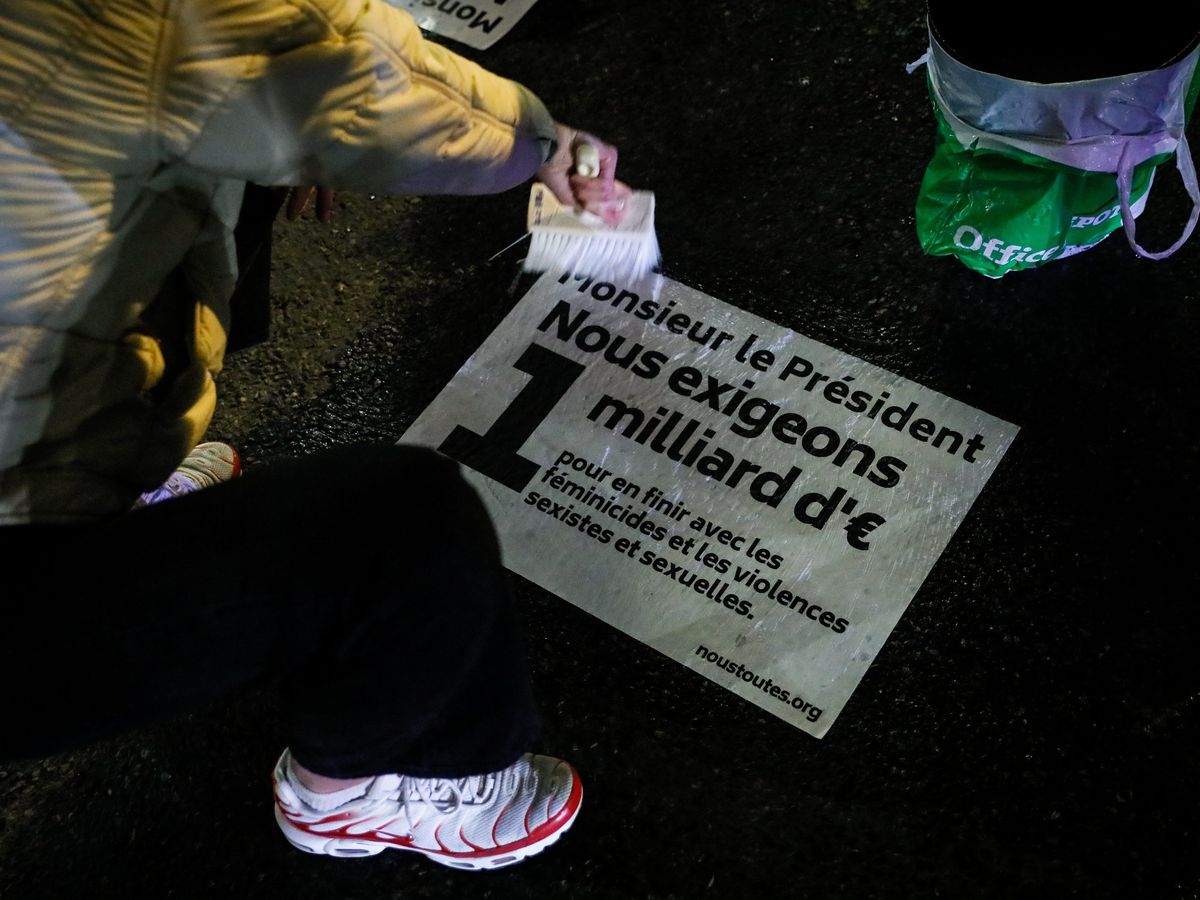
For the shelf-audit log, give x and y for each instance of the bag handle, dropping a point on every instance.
(1187, 171)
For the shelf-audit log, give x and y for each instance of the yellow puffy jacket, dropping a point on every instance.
(128, 129)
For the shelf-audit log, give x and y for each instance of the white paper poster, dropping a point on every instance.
(478, 23)
(756, 505)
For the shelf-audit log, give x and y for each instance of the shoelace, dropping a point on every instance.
(446, 795)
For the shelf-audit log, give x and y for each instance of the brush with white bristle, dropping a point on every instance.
(563, 238)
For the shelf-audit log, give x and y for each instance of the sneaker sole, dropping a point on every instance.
(349, 848)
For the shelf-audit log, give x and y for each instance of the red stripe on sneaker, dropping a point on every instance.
(560, 819)
(403, 841)
(388, 824)
(462, 837)
(572, 802)
(496, 824)
(557, 821)
(298, 818)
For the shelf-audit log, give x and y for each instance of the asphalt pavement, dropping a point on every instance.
(1031, 726)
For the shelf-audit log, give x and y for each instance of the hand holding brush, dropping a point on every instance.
(582, 175)
(582, 220)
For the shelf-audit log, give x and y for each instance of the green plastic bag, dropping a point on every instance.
(1024, 173)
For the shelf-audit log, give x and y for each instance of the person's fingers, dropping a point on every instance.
(606, 201)
(587, 190)
(297, 200)
(555, 171)
(325, 198)
(560, 187)
(299, 197)
(608, 159)
(599, 194)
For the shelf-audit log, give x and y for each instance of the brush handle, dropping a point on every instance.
(587, 160)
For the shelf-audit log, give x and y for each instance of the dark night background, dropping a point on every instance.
(1030, 728)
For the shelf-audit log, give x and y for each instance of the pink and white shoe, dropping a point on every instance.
(479, 822)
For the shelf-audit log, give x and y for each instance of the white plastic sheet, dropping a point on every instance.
(756, 505)
(476, 23)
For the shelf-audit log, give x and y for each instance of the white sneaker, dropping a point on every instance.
(480, 822)
(209, 463)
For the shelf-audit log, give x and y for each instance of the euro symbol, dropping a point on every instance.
(860, 526)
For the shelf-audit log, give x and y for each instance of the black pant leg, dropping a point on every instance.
(367, 580)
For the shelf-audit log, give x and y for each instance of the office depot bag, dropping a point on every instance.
(1024, 173)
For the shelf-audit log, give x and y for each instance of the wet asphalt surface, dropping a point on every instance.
(1030, 728)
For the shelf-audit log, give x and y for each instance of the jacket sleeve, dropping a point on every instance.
(341, 93)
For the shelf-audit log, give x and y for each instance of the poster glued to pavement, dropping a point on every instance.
(756, 505)
(477, 23)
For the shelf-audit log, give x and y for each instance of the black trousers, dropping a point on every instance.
(366, 581)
